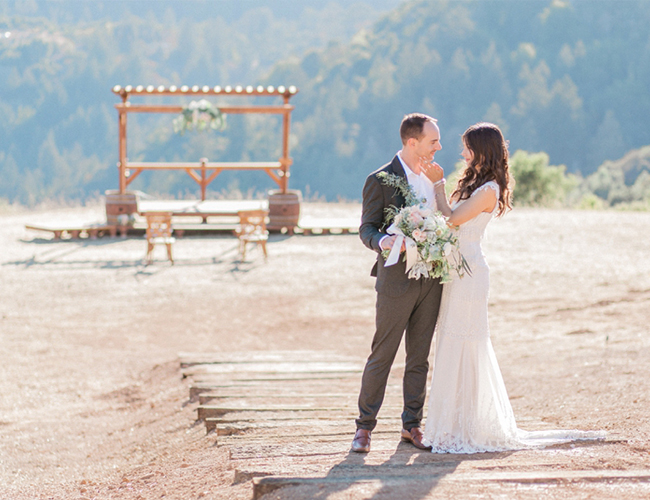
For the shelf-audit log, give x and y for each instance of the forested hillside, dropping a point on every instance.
(60, 59)
(570, 78)
(567, 78)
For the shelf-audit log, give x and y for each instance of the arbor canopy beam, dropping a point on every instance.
(249, 90)
(233, 110)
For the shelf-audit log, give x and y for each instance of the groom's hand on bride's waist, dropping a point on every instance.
(387, 242)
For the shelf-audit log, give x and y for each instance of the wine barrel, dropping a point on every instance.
(284, 209)
(120, 208)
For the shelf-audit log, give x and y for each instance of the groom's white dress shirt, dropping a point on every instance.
(421, 184)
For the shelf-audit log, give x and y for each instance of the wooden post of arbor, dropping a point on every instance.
(122, 149)
(284, 205)
(286, 123)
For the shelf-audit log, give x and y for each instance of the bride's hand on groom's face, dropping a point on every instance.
(433, 171)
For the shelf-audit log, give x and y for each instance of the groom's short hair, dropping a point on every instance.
(412, 126)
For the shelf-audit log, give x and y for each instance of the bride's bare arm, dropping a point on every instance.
(441, 200)
(482, 201)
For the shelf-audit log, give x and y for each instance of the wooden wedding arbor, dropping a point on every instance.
(284, 205)
(204, 171)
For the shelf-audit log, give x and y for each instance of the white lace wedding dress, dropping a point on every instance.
(469, 409)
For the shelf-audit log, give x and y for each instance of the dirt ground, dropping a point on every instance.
(92, 404)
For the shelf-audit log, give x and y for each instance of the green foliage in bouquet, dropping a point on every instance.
(405, 189)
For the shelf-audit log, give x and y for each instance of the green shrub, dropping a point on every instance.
(590, 201)
(539, 184)
(624, 182)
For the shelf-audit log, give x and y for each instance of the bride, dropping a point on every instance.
(469, 409)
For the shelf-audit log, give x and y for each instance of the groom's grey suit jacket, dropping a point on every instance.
(377, 197)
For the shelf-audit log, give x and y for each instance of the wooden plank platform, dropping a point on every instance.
(273, 368)
(309, 225)
(273, 384)
(232, 358)
(287, 419)
(91, 231)
(226, 212)
(213, 218)
(265, 485)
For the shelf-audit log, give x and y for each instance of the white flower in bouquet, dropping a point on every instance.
(430, 225)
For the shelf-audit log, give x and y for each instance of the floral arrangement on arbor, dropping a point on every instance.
(199, 115)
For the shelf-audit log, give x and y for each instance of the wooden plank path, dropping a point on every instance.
(287, 419)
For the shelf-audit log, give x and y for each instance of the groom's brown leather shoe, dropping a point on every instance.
(415, 436)
(361, 441)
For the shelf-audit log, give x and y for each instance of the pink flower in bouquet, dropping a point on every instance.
(416, 218)
(419, 235)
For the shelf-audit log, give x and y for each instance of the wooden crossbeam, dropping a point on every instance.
(233, 110)
(250, 90)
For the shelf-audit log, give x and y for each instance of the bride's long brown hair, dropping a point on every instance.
(490, 163)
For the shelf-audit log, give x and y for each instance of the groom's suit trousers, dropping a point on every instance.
(411, 315)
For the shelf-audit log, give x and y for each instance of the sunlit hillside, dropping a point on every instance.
(568, 78)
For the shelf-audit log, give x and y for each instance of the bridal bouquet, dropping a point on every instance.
(431, 246)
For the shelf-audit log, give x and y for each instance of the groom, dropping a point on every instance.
(405, 307)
